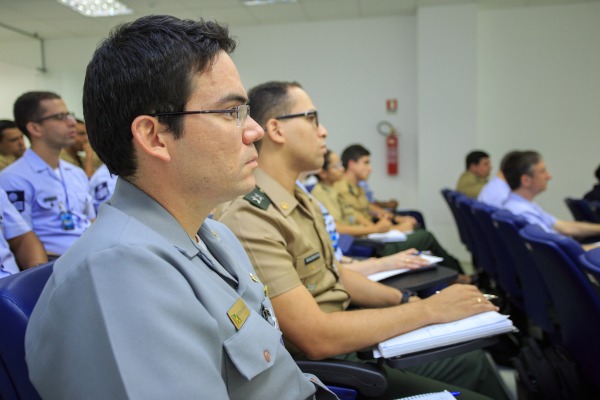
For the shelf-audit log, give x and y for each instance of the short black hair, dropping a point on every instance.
(353, 152)
(269, 100)
(6, 124)
(475, 157)
(597, 173)
(28, 108)
(517, 164)
(144, 67)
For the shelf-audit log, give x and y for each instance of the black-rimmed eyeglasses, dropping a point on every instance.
(241, 113)
(57, 117)
(307, 114)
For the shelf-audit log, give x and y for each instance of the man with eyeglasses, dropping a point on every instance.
(51, 194)
(155, 300)
(283, 232)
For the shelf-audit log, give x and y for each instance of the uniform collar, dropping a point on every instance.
(283, 201)
(39, 165)
(139, 205)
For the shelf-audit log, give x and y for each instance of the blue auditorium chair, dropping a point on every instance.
(575, 299)
(506, 268)
(536, 297)
(464, 235)
(18, 295)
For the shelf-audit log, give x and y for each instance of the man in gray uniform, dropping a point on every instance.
(155, 301)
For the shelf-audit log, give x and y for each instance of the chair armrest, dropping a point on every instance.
(369, 379)
(376, 245)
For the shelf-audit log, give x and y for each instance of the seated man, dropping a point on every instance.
(357, 212)
(80, 153)
(496, 191)
(283, 232)
(476, 174)
(20, 248)
(527, 176)
(408, 259)
(156, 301)
(51, 194)
(12, 145)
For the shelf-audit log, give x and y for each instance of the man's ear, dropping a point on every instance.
(35, 130)
(150, 137)
(274, 129)
(525, 180)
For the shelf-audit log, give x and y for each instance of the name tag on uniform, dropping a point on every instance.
(312, 258)
(239, 313)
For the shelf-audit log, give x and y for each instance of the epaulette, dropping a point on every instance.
(258, 198)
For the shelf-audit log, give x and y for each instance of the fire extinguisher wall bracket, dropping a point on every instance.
(391, 146)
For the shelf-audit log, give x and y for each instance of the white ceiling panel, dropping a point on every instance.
(52, 20)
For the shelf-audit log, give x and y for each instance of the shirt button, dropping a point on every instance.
(267, 356)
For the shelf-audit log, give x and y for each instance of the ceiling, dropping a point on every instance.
(50, 20)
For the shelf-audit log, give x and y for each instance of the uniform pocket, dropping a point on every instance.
(253, 349)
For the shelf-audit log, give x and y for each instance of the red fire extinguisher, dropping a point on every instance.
(391, 146)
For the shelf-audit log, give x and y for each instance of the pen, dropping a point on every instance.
(455, 394)
(426, 252)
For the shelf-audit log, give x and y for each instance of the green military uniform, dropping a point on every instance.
(420, 239)
(470, 184)
(341, 212)
(6, 160)
(288, 245)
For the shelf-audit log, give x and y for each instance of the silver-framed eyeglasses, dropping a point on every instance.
(63, 116)
(241, 113)
(307, 114)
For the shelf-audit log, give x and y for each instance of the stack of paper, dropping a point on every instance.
(438, 335)
(392, 235)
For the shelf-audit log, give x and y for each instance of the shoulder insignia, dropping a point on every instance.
(17, 198)
(258, 199)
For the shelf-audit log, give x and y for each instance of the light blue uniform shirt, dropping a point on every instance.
(12, 225)
(494, 193)
(533, 213)
(41, 195)
(102, 185)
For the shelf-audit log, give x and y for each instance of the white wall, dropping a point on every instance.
(525, 77)
(539, 88)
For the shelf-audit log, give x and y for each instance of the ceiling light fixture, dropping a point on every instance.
(265, 2)
(97, 8)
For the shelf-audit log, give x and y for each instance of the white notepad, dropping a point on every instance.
(379, 276)
(438, 335)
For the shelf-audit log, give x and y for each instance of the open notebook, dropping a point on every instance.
(438, 335)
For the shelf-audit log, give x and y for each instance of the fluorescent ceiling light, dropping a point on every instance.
(97, 8)
(265, 2)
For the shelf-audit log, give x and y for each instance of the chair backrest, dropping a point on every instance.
(536, 297)
(506, 270)
(18, 295)
(450, 197)
(575, 299)
(583, 210)
(479, 247)
(590, 260)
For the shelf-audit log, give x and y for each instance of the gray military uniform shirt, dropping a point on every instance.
(136, 310)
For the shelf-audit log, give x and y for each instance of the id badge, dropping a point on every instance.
(66, 218)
